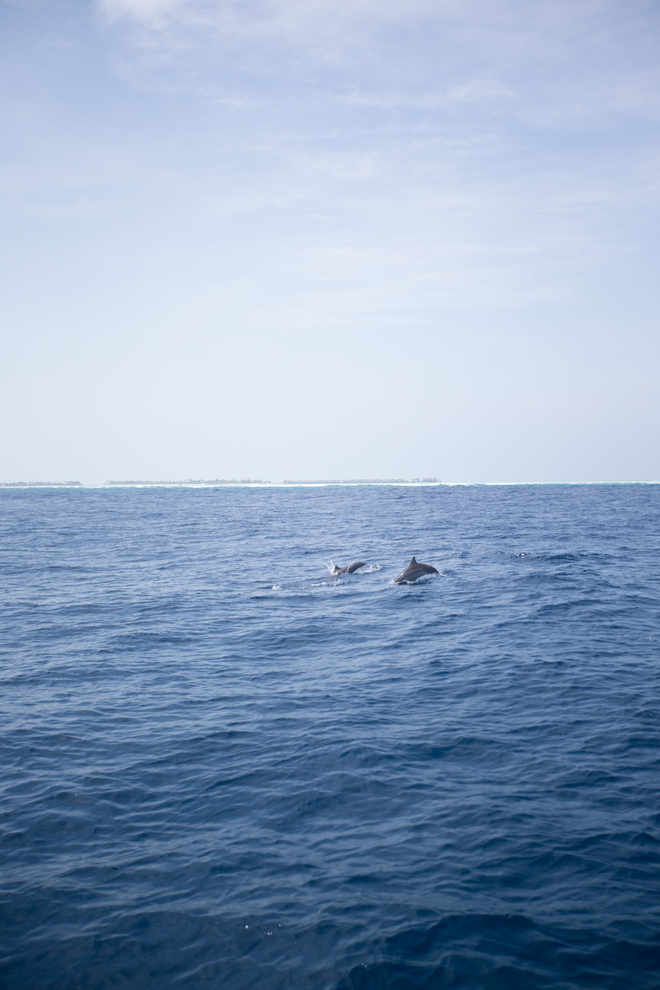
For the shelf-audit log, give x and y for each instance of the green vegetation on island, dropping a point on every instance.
(194, 481)
(368, 481)
(41, 484)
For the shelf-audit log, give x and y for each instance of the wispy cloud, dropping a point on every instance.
(483, 131)
(572, 59)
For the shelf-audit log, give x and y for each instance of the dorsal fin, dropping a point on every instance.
(413, 561)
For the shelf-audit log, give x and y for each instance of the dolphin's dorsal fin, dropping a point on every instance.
(413, 561)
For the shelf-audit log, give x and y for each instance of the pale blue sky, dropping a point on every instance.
(314, 239)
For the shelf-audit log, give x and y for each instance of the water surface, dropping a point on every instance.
(221, 770)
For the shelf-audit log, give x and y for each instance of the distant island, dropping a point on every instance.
(41, 484)
(226, 481)
(258, 481)
(368, 481)
(195, 481)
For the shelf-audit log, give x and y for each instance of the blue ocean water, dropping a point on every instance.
(220, 770)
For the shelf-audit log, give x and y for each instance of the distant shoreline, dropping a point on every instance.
(375, 483)
(42, 484)
(224, 483)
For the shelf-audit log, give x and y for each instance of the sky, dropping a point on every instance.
(310, 239)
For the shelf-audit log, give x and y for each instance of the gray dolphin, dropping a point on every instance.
(349, 569)
(414, 571)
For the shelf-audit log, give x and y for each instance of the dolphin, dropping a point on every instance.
(349, 569)
(414, 571)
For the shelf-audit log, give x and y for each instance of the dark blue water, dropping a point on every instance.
(220, 771)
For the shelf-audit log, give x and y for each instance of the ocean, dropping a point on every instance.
(222, 768)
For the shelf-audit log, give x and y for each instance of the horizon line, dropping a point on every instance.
(248, 483)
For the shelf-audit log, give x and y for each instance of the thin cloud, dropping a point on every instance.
(439, 157)
(477, 91)
(549, 65)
